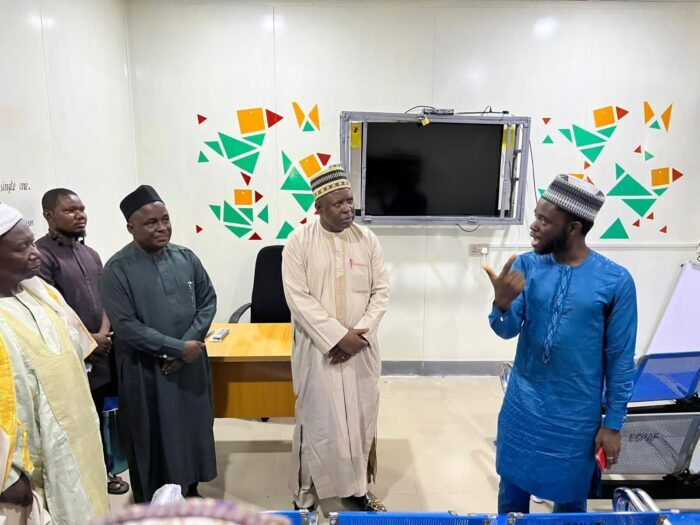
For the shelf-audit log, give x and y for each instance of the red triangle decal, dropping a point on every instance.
(586, 165)
(546, 120)
(272, 118)
(620, 112)
(200, 118)
(639, 149)
(258, 196)
(316, 212)
(324, 158)
(637, 223)
(303, 221)
(589, 180)
(651, 216)
(198, 228)
(664, 229)
(246, 178)
(254, 237)
(676, 174)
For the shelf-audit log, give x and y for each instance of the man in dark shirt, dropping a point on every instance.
(74, 269)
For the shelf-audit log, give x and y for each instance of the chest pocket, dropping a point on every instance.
(359, 278)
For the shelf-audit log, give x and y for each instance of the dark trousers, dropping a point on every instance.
(512, 498)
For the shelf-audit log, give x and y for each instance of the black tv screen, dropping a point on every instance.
(442, 169)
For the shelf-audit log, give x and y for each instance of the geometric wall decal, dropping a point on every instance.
(254, 237)
(272, 118)
(655, 125)
(585, 138)
(661, 177)
(592, 153)
(238, 231)
(251, 120)
(546, 120)
(641, 206)
(310, 165)
(200, 118)
(256, 139)
(258, 197)
(298, 113)
(243, 197)
(248, 212)
(664, 229)
(638, 150)
(264, 215)
(660, 191)
(637, 223)
(308, 122)
(324, 158)
(248, 162)
(541, 191)
(629, 187)
(286, 163)
(651, 216)
(675, 175)
(214, 144)
(620, 112)
(295, 182)
(619, 171)
(216, 209)
(246, 178)
(313, 116)
(305, 200)
(648, 156)
(198, 228)
(234, 147)
(666, 117)
(285, 230)
(607, 131)
(604, 116)
(586, 165)
(309, 127)
(615, 231)
(202, 157)
(577, 175)
(648, 112)
(566, 133)
(548, 140)
(233, 216)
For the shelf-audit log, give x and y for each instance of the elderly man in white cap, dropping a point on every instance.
(50, 448)
(337, 290)
(575, 313)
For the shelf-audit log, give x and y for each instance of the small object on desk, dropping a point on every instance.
(220, 334)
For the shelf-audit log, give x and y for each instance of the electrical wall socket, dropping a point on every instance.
(477, 250)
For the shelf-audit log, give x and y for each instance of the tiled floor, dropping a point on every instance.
(435, 451)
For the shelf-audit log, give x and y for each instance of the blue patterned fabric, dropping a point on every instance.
(577, 330)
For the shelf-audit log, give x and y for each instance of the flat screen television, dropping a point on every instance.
(449, 169)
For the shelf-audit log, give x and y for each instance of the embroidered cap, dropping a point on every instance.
(576, 196)
(329, 180)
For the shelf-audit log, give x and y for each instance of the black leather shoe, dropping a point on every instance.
(366, 503)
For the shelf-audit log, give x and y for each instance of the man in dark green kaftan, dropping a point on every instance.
(160, 303)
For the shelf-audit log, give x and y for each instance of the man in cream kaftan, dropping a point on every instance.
(54, 457)
(337, 290)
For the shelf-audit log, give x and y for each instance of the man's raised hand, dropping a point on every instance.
(507, 285)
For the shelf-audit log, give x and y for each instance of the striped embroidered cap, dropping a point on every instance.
(329, 180)
(576, 196)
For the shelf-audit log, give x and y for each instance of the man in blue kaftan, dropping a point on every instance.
(576, 314)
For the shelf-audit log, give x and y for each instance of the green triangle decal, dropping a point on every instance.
(308, 127)
(655, 125)
(629, 187)
(616, 231)
(238, 231)
(286, 163)
(585, 138)
(567, 133)
(248, 212)
(264, 215)
(256, 139)
(607, 131)
(214, 144)
(592, 153)
(305, 200)
(231, 215)
(248, 162)
(234, 147)
(619, 171)
(648, 156)
(641, 206)
(285, 230)
(202, 157)
(660, 191)
(296, 182)
(541, 192)
(216, 209)
(548, 140)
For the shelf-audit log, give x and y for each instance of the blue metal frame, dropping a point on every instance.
(408, 518)
(590, 518)
(641, 365)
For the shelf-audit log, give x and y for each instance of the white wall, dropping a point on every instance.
(65, 110)
(67, 120)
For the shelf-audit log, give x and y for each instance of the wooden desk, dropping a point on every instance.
(251, 370)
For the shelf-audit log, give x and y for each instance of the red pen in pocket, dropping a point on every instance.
(602, 461)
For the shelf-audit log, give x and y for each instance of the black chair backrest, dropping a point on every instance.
(268, 304)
